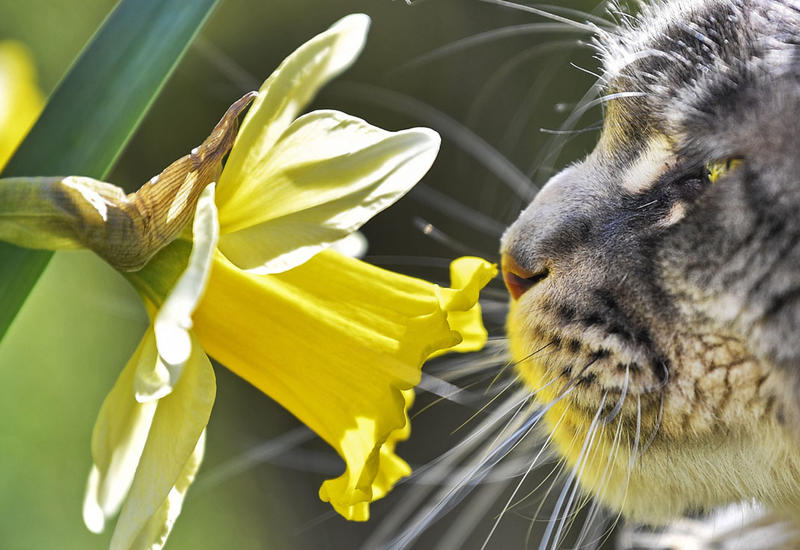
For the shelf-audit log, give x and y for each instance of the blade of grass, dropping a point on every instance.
(94, 111)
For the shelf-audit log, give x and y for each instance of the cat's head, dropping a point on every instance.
(656, 284)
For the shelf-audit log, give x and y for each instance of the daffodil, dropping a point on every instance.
(20, 98)
(257, 286)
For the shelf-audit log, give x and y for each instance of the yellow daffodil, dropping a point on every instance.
(336, 341)
(20, 98)
(258, 286)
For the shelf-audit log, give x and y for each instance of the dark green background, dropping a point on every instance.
(82, 322)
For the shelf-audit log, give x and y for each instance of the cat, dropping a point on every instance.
(656, 284)
(655, 300)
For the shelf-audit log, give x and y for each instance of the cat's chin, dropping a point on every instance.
(659, 455)
(677, 478)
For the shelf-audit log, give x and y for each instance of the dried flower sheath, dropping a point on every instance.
(125, 230)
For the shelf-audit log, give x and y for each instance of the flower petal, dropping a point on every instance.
(287, 91)
(335, 341)
(155, 532)
(468, 275)
(354, 245)
(327, 175)
(390, 468)
(174, 319)
(117, 441)
(177, 427)
(20, 98)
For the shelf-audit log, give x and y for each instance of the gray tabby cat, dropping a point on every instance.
(656, 283)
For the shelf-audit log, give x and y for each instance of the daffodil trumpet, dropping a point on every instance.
(257, 284)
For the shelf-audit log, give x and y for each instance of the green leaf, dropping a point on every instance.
(94, 111)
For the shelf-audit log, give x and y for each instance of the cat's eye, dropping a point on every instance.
(719, 168)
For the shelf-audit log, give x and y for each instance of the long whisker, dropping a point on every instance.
(637, 437)
(444, 389)
(634, 451)
(453, 493)
(457, 210)
(496, 451)
(461, 529)
(583, 460)
(533, 463)
(589, 523)
(484, 37)
(256, 455)
(486, 92)
(469, 397)
(557, 474)
(583, 26)
(618, 407)
(573, 479)
(532, 98)
(545, 157)
(656, 426)
(582, 108)
(513, 364)
(631, 462)
(430, 230)
(460, 367)
(590, 128)
(441, 468)
(587, 71)
(598, 20)
(485, 406)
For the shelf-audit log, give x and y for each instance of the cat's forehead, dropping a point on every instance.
(684, 69)
(656, 29)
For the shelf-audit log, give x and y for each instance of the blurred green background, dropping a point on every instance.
(257, 488)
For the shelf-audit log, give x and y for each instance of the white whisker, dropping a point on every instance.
(583, 460)
(605, 478)
(621, 401)
(252, 457)
(484, 37)
(587, 27)
(573, 479)
(430, 230)
(457, 210)
(524, 476)
(485, 93)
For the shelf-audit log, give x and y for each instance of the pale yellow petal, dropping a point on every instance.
(20, 98)
(177, 426)
(287, 91)
(325, 177)
(118, 440)
(155, 533)
(336, 341)
(354, 245)
(174, 319)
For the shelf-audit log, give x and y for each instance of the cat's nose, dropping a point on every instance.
(519, 279)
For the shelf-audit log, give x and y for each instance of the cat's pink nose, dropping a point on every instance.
(518, 279)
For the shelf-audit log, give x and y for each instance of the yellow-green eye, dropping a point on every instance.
(719, 168)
